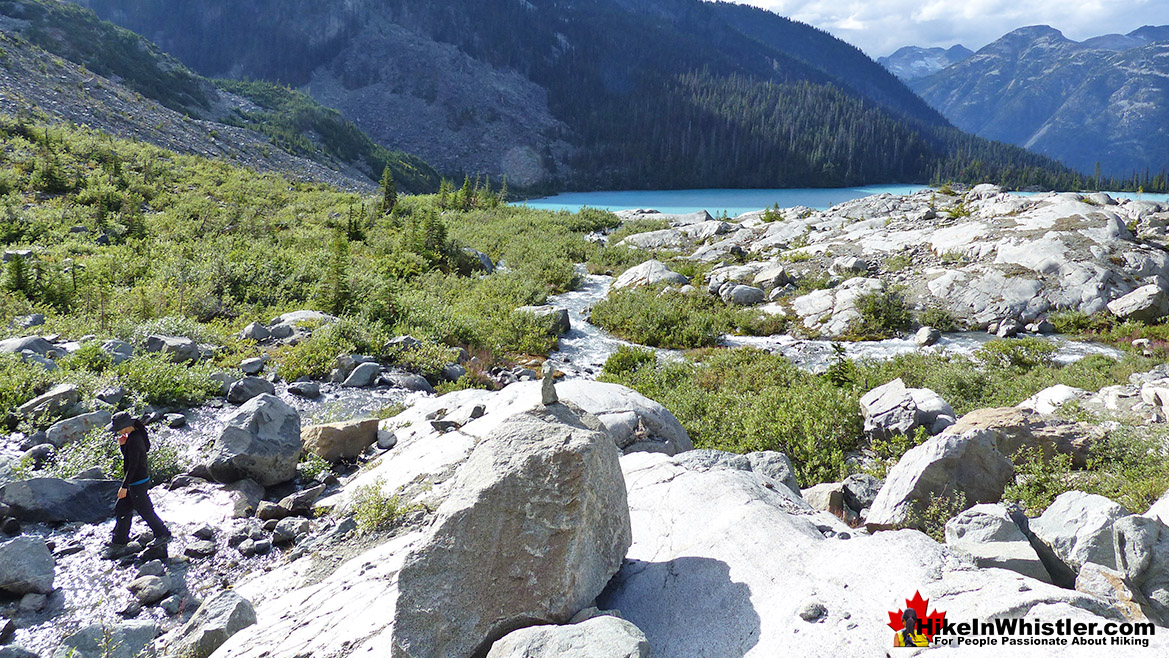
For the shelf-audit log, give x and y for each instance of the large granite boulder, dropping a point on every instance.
(649, 273)
(34, 344)
(72, 429)
(989, 535)
(216, 620)
(892, 409)
(532, 525)
(261, 441)
(949, 464)
(305, 317)
(1077, 529)
(724, 565)
(343, 440)
(118, 350)
(1142, 556)
(56, 400)
(26, 566)
(52, 500)
(599, 637)
(1145, 304)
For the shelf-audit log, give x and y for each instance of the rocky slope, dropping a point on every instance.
(112, 80)
(913, 62)
(1100, 101)
(984, 256)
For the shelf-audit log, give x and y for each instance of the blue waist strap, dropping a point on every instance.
(134, 484)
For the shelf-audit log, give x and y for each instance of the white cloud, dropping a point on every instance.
(881, 26)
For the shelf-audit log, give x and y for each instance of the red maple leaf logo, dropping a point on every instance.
(930, 624)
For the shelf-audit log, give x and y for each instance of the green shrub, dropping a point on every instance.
(1021, 353)
(97, 448)
(628, 359)
(938, 318)
(932, 517)
(1039, 480)
(374, 511)
(673, 320)
(743, 400)
(89, 357)
(311, 465)
(882, 314)
(156, 380)
(20, 382)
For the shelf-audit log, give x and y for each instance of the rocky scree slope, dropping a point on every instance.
(1100, 101)
(65, 63)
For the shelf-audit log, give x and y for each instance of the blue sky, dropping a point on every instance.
(879, 27)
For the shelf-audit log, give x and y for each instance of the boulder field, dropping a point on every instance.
(985, 256)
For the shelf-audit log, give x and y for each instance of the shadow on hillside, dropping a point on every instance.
(687, 607)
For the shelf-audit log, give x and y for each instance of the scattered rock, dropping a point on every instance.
(200, 549)
(289, 529)
(216, 620)
(26, 566)
(741, 295)
(813, 611)
(261, 441)
(249, 387)
(34, 344)
(72, 429)
(180, 349)
(1077, 528)
(302, 502)
(1052, 398)
(303, 317)
(52, 500)
(363, 375)
(826, 497)
(150, 589)
(548, 385)
(175, 421)
(408, 381)
(255, 331)
(927, 336)
(310, 390)
(649, 273)
(344, 440)
(893, 409)
(1142, 555)
(860, 490)
(127, 639)
(1145, 304)
(253, 366)
(599, 637)
(118, 350)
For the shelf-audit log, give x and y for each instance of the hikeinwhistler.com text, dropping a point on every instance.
(1026, 632)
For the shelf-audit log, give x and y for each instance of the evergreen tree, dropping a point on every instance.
(17, 275)
(337, 276)
(389, 191)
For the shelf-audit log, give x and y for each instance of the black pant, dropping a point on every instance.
(137, 499)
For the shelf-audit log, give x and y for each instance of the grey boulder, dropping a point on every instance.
(56, 400)
(599, 637)
(991, 537)
(52, 500)
(34, 344)
(255, 331)
(118, 350)
(1142, 556)
(893, 409)
(649, 273)
(247, 388)
(261, 441)
(72, 429)
(944, 466)
(127, 639)
(26, 566)
(768, 463)
(741, 295)
(408, 381)
(180, 349)
(216, 620)
(1145, 304)
(1077, 528)
(364, 374)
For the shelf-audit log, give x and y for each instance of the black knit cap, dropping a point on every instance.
(121, 421)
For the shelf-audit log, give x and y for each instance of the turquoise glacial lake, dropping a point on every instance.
(715, 201)
(736, 202)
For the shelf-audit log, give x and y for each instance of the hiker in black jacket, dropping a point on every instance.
(134, 494)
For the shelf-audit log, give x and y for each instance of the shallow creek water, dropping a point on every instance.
(92, 590)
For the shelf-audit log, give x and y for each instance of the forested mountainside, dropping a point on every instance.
(63, 63)
(1103, 102)
(590, 94)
